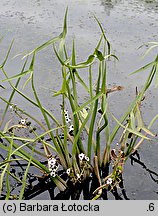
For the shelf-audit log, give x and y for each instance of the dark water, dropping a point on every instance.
(128, 24)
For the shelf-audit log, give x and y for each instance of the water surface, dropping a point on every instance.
(128, 25)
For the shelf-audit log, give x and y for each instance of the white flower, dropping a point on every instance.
(78, 175)
(109, 181)
(52, 160)
(81, 156)
(23, 121)
(52, 164)
(67, 116)
(13, 107)
(68, 171)
(53, 174)
(86, 158)
(71, 128)
(66, 113)
(67, 119)
(54, 167)
(61, 136)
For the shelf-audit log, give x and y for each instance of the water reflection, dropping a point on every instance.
(149, 5)
(109, 5)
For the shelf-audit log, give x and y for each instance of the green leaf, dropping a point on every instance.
(54, 39)
(2, 86)
(87, 63)
(102, 30)
(8, 161)
(6, 126)
(73, 54)
(144, 67)
(21, 74)
(12, 93)
(63, 88)
(25, 177)
(148, 131)
(149, 50)
(152, 121)
(130, 130)
(99, 55)
(81, 81)
(6, 58)
(88, 102)
(84, 113)
(17, 76)
(132, 118)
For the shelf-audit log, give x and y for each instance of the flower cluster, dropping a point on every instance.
(109, 181)
(13, 107)
(71, 129)
(68, 121)
(74, 177)
(68, 171)
(83, 157)
(52, 166)
(67, 116)
(84, 167)
(23, 121)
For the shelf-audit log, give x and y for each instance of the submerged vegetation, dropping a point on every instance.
(90, 167)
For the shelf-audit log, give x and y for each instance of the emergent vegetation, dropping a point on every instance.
(90, 166)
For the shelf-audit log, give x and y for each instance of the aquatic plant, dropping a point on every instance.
(71, 162)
